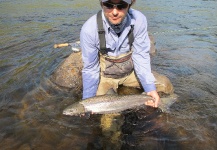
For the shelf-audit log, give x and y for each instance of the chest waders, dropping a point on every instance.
(114, 67)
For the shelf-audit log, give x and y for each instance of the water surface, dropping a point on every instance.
(31, 113)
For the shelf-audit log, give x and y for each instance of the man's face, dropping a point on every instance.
(115, 11)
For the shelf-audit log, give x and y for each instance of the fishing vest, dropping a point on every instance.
(114, 67)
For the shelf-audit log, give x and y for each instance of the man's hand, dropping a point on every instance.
(155, 95)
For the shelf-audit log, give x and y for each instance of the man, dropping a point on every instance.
(115, 51)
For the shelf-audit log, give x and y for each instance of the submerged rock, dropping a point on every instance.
(162, 83)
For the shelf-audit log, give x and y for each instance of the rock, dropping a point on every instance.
(162, 83)
(68, 74)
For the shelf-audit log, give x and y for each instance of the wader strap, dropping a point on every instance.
(130, 36)
(101, 33)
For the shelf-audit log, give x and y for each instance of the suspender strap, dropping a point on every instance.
(130, 36)
(101, 33)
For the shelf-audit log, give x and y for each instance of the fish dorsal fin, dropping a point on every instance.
(111, 92)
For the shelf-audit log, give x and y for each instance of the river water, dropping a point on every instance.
(31, 117)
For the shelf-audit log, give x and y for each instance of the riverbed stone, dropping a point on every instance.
(162, 83)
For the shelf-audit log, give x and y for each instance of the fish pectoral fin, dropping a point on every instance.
(111, 92)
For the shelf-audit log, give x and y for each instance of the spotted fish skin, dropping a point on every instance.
(106, 104)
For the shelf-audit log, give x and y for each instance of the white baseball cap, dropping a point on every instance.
(127, 1)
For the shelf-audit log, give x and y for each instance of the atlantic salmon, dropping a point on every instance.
(106, 104)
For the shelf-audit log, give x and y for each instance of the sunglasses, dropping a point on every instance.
(112, 6)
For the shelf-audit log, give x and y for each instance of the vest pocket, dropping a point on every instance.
(116, 68)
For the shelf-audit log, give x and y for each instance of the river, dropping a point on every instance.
(31, 117)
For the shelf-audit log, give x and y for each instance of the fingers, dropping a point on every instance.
(156, 103)
(150, 103)
(154, 95)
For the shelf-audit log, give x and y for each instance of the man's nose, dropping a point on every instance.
(115, 11)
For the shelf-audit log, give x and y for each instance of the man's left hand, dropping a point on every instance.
(155, 95)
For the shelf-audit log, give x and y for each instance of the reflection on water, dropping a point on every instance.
(31, 107)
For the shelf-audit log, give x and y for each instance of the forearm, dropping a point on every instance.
(142, 64)
(90, 83)
(90, 72)
(146, 78)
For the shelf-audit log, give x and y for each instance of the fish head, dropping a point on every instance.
(74, 110)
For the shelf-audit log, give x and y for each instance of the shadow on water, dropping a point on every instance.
(31, 103)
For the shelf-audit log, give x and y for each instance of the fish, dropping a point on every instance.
(107, 104)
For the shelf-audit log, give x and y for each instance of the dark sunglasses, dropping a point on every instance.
(118, 6)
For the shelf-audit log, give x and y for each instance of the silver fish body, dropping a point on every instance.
(108, 104)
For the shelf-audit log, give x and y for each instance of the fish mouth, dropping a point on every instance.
(76, 114)
(66, 112)
(72, 113)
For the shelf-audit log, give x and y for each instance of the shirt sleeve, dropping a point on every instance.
(141, 56)
(90, 58)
